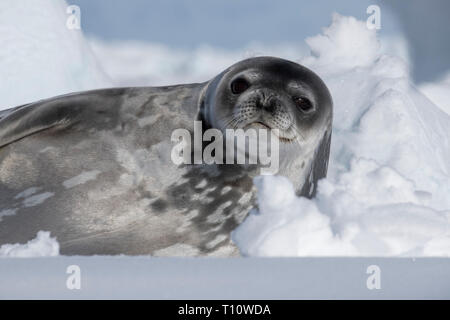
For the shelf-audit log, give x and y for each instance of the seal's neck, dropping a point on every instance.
(202, 114)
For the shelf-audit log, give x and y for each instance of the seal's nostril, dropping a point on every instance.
(259, 104)
(269, 104)
(269, 107)
(263, 105)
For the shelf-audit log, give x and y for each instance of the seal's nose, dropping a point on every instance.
(271, 104)
(267, 101)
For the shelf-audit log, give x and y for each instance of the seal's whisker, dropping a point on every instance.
(298, 135)
(231, 123)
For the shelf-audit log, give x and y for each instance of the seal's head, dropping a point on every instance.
(268, 92)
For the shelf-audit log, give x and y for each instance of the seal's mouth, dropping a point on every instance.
(280, 134)
(258, 125)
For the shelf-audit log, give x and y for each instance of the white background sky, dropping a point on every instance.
(222, 23)
(233, 24)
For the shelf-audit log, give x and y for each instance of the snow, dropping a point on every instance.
(39, 56)
(387, 191)
(438, 92)
(41, 246)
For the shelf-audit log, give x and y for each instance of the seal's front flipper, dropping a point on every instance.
(62, 111)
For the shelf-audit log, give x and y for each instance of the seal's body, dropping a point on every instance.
(95, 168)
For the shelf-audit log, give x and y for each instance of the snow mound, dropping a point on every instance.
(388, 185)
(39, 56)
(41, 246)
(438, 92)
(346, 44)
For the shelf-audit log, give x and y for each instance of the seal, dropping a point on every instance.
(95, 168)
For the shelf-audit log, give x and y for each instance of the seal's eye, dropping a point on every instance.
(239, 85)
(304, 104)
